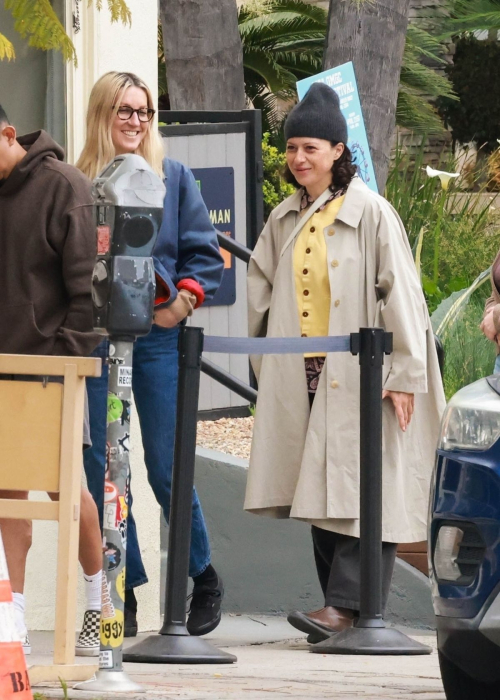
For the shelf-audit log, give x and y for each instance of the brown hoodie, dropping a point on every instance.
(47, 251)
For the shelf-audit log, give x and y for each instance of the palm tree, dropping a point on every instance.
(283, 41)
(474, 15)
(37, 22)
(203, 56)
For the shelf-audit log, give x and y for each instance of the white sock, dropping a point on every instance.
(19, 605)
(93, 586)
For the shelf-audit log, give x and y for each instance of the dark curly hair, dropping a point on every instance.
(343, 170)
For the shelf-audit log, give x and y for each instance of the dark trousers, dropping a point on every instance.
(337, 563)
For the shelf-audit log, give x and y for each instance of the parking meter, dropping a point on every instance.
(128, 205)
(128, 200)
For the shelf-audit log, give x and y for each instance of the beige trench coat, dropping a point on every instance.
(305, 464)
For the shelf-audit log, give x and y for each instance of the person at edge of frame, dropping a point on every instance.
(490, 325)
(347, 266)
(189, 267)
(48, 250)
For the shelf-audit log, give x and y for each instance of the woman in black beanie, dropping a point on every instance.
(332, 258)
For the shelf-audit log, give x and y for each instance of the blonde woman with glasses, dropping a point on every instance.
(121, 119)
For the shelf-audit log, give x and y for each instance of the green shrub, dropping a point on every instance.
(455, 227)
(468, 354)
(275, 188)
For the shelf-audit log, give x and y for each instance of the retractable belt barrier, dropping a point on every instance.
(370, 635)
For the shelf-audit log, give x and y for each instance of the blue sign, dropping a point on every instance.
(343, 80)
(217, 189)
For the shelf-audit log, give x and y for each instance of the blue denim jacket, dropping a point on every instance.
(187, 246)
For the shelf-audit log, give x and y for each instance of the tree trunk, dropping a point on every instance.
(203, 54)
(371, 35)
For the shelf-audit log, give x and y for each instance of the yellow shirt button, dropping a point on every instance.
(312, 229)
(334, 384)
(303, 335)
(306, 292)
(335, 263)
(337, 302)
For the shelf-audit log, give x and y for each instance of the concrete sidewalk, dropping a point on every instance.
(273, 663)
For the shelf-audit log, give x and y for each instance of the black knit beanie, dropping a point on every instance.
(317, 116)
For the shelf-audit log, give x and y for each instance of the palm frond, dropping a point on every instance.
(261, 63)
(118, 10)
(415, 113)
(6, 49)
(37, 21)
(472, 15)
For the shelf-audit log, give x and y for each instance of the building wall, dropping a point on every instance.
(23, 81)
(101, 47)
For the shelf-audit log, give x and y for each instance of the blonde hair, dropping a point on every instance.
(104, 102)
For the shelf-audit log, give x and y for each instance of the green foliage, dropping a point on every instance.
(459, 221)
(468, 354)
(473, 15)
(417, 80)
(37, 21)
(475, 74)
(6, 49)
(282, 42)
(274, 187)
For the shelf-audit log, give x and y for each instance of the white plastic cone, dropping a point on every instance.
(14, 681)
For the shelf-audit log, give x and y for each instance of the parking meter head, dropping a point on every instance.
(128, 206)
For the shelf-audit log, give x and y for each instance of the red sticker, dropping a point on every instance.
(110, 492)
(103, 239)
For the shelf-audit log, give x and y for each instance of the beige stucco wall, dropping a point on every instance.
(103, 46)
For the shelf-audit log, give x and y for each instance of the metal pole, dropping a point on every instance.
(370, 635)
(371, 359)
(179, 536)
(111, 676)
(173, 644)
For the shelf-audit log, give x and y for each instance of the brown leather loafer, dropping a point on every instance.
(323, 623)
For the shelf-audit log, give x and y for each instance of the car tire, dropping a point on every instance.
(460, 686)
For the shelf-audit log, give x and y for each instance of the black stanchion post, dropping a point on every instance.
(173, 644)
(370, 635)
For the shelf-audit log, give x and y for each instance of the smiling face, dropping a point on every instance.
(127, 134)
(311, 160)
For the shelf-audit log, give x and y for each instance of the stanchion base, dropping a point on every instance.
(371, 641)
(110, 682)
(176, 649)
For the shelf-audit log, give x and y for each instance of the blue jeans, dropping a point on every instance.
(154, 383)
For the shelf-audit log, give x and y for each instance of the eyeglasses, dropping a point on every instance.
(144, 115)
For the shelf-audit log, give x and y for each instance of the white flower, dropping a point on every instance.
(442, 175)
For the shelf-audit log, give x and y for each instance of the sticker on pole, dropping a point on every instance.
(106, 659)
(124, 376)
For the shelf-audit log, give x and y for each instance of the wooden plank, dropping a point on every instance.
(69, 517)
(51, 366)
(66, 672)
(29, 510)
(30, 435)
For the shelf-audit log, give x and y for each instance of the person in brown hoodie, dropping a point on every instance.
(47, 251)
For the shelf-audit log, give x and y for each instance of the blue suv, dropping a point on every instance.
(464, 543)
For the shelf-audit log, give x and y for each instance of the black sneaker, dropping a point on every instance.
(130, 611)
(204, 612)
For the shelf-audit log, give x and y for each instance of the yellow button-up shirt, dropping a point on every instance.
(310, 265)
